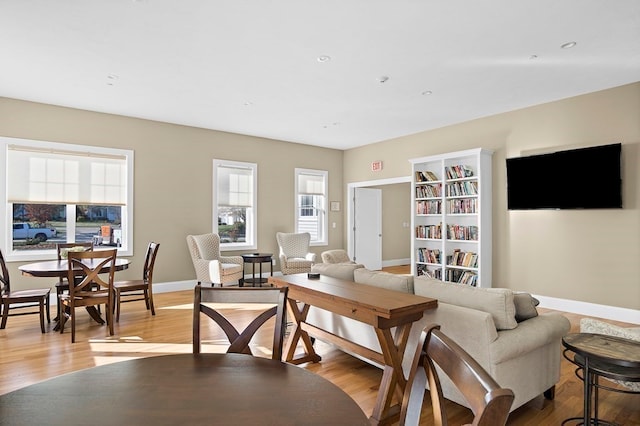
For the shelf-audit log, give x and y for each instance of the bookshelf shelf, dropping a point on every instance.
(451, 204)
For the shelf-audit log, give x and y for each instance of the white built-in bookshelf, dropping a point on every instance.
(451, 220)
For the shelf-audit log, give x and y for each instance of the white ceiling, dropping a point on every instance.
(251, 66)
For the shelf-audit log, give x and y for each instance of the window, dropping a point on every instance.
(311, 204)
(64, 193)
(234, 204)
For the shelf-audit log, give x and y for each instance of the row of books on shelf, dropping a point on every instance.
(428, 255)
(456, 189)
(428, 191)
(425, 176)
(462, 232)
(451, 275)
(432, 273)
(461, 277)
(463, 258)
(458, 172)
(462, 205)
(429, 231)
(429, 207)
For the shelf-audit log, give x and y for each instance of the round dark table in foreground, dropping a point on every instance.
(184, 389)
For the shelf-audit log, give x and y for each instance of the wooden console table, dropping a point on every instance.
(381, 308)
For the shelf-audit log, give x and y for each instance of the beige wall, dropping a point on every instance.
(590, 255)
(173, 178)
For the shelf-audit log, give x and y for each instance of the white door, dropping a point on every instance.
(367, 224)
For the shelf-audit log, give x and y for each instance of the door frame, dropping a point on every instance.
(350, 199)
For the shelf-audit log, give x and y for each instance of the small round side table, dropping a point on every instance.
(599, 355)
(258, 258)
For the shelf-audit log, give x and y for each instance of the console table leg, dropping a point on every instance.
(299, 316)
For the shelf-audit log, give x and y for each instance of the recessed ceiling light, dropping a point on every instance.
(111, 79)
(427, 93)
(248, 103)
(568, 45)
(324, 58)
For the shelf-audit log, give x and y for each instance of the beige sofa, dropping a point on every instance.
(522, 354)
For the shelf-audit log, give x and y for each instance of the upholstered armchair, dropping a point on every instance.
(210, 265)
(295, 257)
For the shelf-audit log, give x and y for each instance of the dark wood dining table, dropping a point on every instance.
(60, 268)
(184, 389)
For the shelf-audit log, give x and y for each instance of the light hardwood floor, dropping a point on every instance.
(27, 356)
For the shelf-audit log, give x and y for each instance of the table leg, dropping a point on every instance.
(299, 316)
(93, 312)
(587, 393)
(393, 381)
(253, 274)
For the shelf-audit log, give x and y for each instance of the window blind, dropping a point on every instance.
(43, 176)
(310, 184)
(235, 186)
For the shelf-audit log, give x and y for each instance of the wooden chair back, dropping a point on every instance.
(149, 262)
(61, 247)
(21, 299)
(5, 282)
(140, 289)
(91, 289)
(489, 402)
(241, 295)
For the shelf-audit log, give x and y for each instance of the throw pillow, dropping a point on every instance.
(525, 306)
(403, 283)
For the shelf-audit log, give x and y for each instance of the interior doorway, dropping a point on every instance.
(367, 229)
(351, 237)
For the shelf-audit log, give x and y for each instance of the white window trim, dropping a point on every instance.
(252, 231)
(6, 239)
(325, 220)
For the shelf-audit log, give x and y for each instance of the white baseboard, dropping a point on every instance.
(614, 313)
(395, 262)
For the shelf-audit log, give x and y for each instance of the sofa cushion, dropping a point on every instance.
(496, 301)
(343, 271)
(525, 306)
(403, 283)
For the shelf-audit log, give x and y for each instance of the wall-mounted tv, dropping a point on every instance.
(585, 178)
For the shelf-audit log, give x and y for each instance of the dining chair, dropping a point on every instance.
(295, 257)
(62, 249)
(210, 265)
(20, 299)
(489, 402)
(212, 300)
(92, 290)
(134, 290)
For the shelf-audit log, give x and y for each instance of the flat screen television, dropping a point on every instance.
(585, 178)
